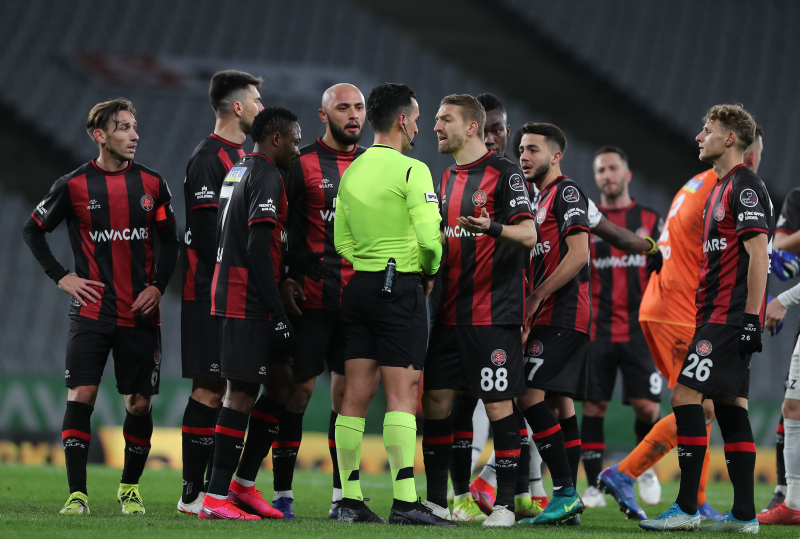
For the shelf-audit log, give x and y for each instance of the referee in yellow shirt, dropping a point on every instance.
(387, 226)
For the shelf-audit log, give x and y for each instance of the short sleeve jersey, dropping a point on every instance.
(738, 205)
(252, 195)
(562, 210)
(789, 219)
(483, 279)
(619, 278)
(210, 162)
(681, 244)
(311, 188)
(110, 217)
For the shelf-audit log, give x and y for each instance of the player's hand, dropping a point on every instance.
(750, 340)
(427, 284)
(80, 288)
(476, 225)
(309, 264)
(532, 304)
(283, 339)
(655, 262)
(773, 319)
(785, 265)
(526, 329)
(147, 302)
(290, 290)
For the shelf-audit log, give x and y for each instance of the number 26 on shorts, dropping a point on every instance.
(703, 368)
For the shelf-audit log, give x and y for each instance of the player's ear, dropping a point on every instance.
(556, 158)
(323, 116)
(731, 140)
(99, 136)
(276, 139)
(236, 107)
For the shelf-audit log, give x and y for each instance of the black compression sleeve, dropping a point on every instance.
(167, 256)
(260, 257)
(204, 235)
(35, 238)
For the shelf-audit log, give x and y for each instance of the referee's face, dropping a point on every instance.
(410, 122)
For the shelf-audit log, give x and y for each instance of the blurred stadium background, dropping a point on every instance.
(636, 74)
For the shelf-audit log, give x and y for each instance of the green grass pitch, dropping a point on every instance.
(30, 498)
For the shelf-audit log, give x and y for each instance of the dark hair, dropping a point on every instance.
(612, 149)
(385, 102)
(471, 109)
(516, 140)
(272, 120)
(759, 132)
(490, 102)
(225, 84)
(734, 118)
(107, 111)
(550, 132)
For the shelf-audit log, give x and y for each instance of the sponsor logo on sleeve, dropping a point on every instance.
(204, 193)
(570, 194)
(516, 182)
(749, 198)
(431, 197)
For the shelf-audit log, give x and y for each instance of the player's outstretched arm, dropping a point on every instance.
(622, 238)
(81, 289)
(787, 242)
(576, 258)
(522, 234)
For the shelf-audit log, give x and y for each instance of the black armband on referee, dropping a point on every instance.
(495, 229)
(653, 246)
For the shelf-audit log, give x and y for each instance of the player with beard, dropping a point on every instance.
(255, 335)
(738, 223)
(314, 277)
(474, 343)
(559, 308)
(236, 100)
(617, 342)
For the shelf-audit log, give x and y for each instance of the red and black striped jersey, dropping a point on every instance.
(789, 219)
(562, 210)
(110, 217)
(738, 205)
(252, 194)
(482, 278)
(207, 167)
(619, 278)
(311, 189)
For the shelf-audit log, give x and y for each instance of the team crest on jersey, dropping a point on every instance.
(499, 357)
(642, 232)
(479, 198)
(516, 182)
(535, 348)
(703, 348)
(719, 212)
(570, 194)
(541, 213)
(147, 202)
(749, 198)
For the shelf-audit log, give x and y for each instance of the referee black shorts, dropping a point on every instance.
(389, 328)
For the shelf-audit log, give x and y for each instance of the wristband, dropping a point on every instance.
(653, 246)
(495, 229)
(158, 286)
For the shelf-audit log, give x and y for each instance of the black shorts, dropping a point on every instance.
(389, 328)
(556, 361)
(320, 338)
(485, 361)
(640, 378)
(199, 341)
(245, 350)
(136, 352)
(714, 366)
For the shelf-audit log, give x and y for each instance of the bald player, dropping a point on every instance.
(314, 277)
(667, 317)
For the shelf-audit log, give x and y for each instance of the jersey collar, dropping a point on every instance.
(117, 173)
(626, 208)
(337, 152)
(228, 142)
(553, 184)
(728, 175)
(480, 160)
(262, 155)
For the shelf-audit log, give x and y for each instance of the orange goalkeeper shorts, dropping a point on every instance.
(669, 344)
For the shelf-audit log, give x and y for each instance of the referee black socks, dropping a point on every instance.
(549, 442)
(284, 451)
(692, 447)
(506, 459)
(137, 431)
(437, 446)
(740, 454)
(76, 433)
(197, 440)
(264, 421)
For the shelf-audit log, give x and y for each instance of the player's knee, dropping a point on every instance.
(302, 395)
(138, 405)
(595, 408)
(646, 410)
(83, 394)
(791, 409)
